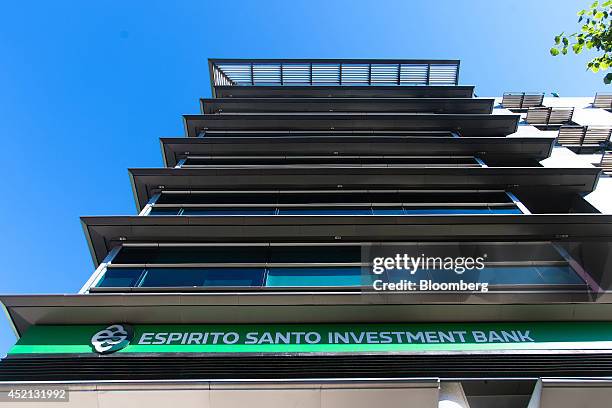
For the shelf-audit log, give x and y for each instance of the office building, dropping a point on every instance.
(246, 276)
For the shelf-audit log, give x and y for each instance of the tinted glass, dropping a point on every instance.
(229, 211)
(120, 278)
(314, 253)
(189, 277)
(219, 198)
(288, 197)
(196, 254)
(388, 211)
(164, 211)
(451, 211)
(330, 160)
(505, 211)
(325, 211)
(334, 211)
(313, 277)
(511, 275)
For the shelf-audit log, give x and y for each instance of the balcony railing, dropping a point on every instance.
(603, 100)
(584, 136)
(522, 100)
(273, 72)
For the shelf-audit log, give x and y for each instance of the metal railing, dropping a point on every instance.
(606, 162)
(274, 72)
(584, 136)
(603, 100)
(522, 100)
(549, 116)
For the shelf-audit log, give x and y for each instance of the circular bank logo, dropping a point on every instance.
(112, 338)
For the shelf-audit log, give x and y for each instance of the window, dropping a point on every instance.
(202, 277)
(325, 211)
(120, 278)
(166, 211)
(351, 161)
(229, 211)
(319, 266)
(510, 275)
(130, 255)
(351, 202)
(314, 277)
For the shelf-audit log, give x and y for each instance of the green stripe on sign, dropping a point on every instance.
(304, 338)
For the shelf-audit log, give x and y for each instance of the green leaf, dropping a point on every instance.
(608, 79)
(595, 34)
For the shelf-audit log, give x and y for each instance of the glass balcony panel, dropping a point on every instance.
(388, 211)
(452, 211)
(314, 277)
(202, 277)
(196, 254)
(120, 278)
(164, 211)
(325, 211)
(229, 211)
(315, 253)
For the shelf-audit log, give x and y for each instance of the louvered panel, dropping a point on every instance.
(538, 116)
(597, 135)
(607, 158)
(443, 74)
(353, 74)
(514, 365)
(549, 116)
(266, 74)
(240, 74)
(606, 162)
(385, 74)
(512, 100)
(532, 100)
(603, 100)
(296, 74)
(220, 77)
(334, 72)
(413, 74)
(325, 74)
(560, 115)
(522, 100)
(570, 135)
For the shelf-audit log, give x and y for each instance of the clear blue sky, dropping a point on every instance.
(88, 87)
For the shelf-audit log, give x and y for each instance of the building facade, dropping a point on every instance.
(346, 233)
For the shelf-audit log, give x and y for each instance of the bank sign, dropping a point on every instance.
(313, 338)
